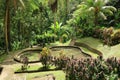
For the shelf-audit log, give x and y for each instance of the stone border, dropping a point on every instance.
(32, 71)
(89, 48)
(17, 56)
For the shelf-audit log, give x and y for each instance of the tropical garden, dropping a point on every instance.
(59, 40)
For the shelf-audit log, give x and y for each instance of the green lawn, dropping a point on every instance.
(106, 50)
(32, 55)
(31, 67)
(57, 43)
(3, 57)
(89, 52)
(60, 75)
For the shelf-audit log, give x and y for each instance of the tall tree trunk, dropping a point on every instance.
(96, 16)
(96, 19)
(7, 25)
(67, 2)
(19, 29)
(9, 37)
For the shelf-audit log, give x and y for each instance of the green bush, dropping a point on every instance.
(45, 57)
(116, 38)
(16, 45)
(61, 61)
(88, 31)
(64, 38)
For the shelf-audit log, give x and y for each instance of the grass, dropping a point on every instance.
(3, 57)
(59, 75)
(57, 43)
(32, 67)
(92, 42)
(89, 52)
(68, 52)
(106, 50)
(32, 55)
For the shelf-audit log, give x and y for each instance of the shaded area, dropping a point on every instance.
(1, 68)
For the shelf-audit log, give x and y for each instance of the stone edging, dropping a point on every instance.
(89, 48)
(17, 59)
(33, 71)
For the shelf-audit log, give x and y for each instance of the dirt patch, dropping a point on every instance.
(46, 77)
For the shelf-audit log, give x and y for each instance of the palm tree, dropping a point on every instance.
(99, 9)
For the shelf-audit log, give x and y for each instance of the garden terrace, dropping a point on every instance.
(34, 53)
(60, 38)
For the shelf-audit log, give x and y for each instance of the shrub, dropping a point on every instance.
(61, 61)
(92, 69)
(45, 57)
(116, 38)
(25, 63)
(88, 31)
(64, 37)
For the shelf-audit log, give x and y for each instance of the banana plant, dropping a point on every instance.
(56, 27)
(59, 30)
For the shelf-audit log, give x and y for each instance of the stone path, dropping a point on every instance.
(8, 74)
(8, 71)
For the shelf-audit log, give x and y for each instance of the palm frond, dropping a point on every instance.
(22, 3)
(110, 8)
(102, 15)
(91, 9)
(110, 12)
(106, 1)
(98, 3)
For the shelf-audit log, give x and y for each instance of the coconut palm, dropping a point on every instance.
(99, 9)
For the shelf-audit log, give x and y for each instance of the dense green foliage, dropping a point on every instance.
(34, 22)
(45, 57)
(25, 23)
